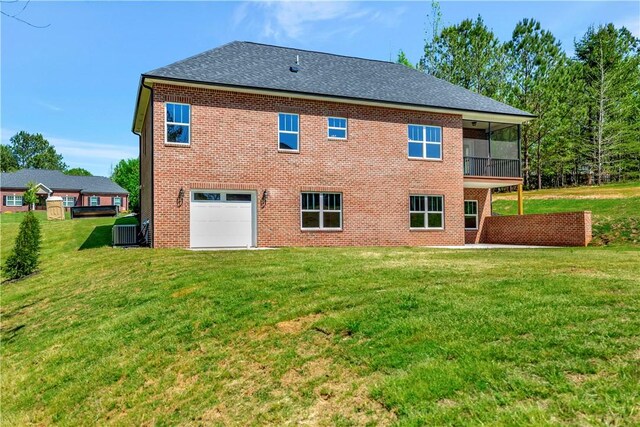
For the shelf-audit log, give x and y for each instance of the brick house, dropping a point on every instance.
(258, 145)
(74, 190)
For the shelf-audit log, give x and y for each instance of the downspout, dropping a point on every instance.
(150, 88)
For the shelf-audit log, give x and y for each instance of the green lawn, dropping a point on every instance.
(320, 336)
(615, 209)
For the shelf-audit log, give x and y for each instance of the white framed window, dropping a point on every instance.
(426, 212)
(425, 142)
(337, 128)
(117, 200)
(321, 211)
(94, 201)
(470, 214)
(288, 132)
(13, 200)
(178, 123)
(68, 201)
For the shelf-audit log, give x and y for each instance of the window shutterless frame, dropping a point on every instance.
(424, 141)
(68, 201)
(288, 128)
(322, 204)
(423, 208)
(337, 126)
(471, 211)
(175, 122)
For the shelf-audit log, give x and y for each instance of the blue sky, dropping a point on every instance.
(76, 80)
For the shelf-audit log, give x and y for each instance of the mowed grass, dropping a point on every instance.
(615, 208)
(318, 336)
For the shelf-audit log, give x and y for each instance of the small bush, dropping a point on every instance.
(23, 260)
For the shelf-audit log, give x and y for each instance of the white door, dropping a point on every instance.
(222, 219)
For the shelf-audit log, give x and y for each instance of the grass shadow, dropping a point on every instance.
(101, 235)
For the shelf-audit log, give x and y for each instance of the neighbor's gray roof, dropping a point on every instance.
(247, 64)
(56, 180)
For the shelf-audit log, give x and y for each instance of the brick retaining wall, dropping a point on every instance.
(554, 229)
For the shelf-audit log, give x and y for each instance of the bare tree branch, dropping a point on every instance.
(15, 15)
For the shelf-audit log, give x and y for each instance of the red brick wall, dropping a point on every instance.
(12, 192)
(556, 229)
(483, 197)
(104, 200)
(234, 145)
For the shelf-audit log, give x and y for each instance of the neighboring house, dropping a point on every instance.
(74, 190)
(257, 145)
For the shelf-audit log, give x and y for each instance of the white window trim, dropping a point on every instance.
(70, 199)
(114, 200)
(94, 197)
(321, 210)
(285, 150)
(424, 142)
(15, 198)
(426, 212)
(470, 215)
(345, 128)
(167, 123)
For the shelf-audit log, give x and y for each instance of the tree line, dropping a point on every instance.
(32, 151)
(587, 129)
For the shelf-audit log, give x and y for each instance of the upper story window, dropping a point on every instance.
(426, 212)
(178, 119)
(425, 142)
(94, 201)
(288, 132)
(68, 201)
(337, 127)
(13, 201)
(321, 210)
(117, 201)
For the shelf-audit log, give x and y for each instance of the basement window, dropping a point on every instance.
(470, 215)
(426, 212)
(288, 132)
(321, 211)
(178, 123)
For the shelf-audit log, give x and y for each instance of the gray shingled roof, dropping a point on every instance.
(247, 64)
(56, 181)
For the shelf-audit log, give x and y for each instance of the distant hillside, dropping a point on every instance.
(615, 208)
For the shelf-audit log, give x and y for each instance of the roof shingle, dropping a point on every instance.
(253, 65)
(56, 180)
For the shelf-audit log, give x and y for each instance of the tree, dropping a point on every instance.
(403, 60)
(535, 54)
(78, 172)
(23, 259)
(127, 175)
(8, 161)
(611, 72)
(470, 55)
(428, 62)
(34, 151)
(30, 196)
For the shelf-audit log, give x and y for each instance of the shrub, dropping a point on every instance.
(23, 260)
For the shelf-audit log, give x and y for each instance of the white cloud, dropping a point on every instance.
(321, 19)
(48, 106)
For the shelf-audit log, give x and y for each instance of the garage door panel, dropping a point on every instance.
(222, 224)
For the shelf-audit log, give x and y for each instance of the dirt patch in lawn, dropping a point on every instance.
(295, 326)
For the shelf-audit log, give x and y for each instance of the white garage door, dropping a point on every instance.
(222, 219)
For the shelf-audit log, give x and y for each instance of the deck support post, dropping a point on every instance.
(520, 200)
